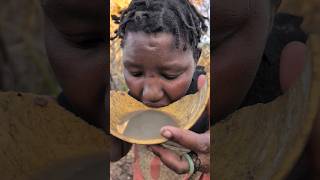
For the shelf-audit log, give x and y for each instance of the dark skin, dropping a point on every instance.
(242, 31)
(242, 27)
(244, 34)
(75, 42)
(157, 74)
(239, 67)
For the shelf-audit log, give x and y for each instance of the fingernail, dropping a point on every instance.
(167, 134)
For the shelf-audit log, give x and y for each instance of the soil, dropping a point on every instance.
(122, 169)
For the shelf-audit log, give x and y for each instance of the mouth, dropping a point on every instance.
(155, 105)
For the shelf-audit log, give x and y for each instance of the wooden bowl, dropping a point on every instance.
(184, 112)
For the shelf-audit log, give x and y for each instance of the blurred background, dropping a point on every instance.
(23, 61)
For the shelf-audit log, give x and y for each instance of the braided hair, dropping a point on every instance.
(178, 17)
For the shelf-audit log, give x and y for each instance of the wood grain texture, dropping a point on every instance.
(186, 111)
(41, 140)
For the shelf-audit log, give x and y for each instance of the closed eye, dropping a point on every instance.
(85, 41)
(170, 76)
(137, 74)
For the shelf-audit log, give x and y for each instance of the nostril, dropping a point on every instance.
(152, 97)
(152, 94)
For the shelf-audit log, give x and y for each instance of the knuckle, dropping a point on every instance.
(204, 147)
(177, 136)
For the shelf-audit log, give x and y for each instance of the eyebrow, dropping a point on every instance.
(131, 64)
(173, 66)
(165, 67)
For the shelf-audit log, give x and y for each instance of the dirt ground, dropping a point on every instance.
(122, 169)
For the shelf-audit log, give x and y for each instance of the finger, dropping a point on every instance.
(188, 139)
(292, 61)
(201, 81)
(170, 159)
(200, 84)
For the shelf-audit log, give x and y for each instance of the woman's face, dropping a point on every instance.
(241, 29)
(76, 47)
(156, 72)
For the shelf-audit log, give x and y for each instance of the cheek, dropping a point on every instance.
(134, 85)
(178, 88)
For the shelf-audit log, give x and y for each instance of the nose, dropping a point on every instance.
(152, 91)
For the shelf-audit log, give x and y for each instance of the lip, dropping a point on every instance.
(155, 105)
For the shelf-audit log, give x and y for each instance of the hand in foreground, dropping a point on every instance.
(198, 143)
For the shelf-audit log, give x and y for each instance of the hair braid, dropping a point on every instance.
(178, 17)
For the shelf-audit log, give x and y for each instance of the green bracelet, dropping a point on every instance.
(190, 161)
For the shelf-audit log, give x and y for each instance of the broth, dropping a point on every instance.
(147, 124)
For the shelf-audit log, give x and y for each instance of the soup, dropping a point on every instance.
(146, 124)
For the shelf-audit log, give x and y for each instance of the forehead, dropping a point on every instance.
(155, 41)
(160, 46)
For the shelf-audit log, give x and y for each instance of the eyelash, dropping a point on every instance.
(85, 43)
(136, 74)
(168, 77)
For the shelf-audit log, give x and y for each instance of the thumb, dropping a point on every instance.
(201, 81)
